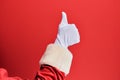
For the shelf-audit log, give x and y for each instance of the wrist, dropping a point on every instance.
(60, 43)
(58, 57)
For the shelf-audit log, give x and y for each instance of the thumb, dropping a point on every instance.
(64, 20)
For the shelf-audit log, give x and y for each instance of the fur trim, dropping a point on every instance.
(58, 57)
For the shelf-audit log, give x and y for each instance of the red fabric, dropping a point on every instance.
(46, 72)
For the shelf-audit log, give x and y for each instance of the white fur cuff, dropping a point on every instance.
(58, 57)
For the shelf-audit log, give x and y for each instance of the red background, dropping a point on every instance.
(28, 26)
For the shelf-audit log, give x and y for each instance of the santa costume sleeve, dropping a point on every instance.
(55, 63)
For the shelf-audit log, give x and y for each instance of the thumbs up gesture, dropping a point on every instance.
(68, 34)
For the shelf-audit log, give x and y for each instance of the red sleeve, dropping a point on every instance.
(48, 72)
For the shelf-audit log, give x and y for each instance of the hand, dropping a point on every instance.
(68, 34)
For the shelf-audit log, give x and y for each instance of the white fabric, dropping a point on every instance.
(58, 57)
(67, 34)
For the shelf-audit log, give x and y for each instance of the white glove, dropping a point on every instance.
(68, 34)
(61, 57)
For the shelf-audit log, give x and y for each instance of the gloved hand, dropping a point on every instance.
(68, 34)
(57, 54)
